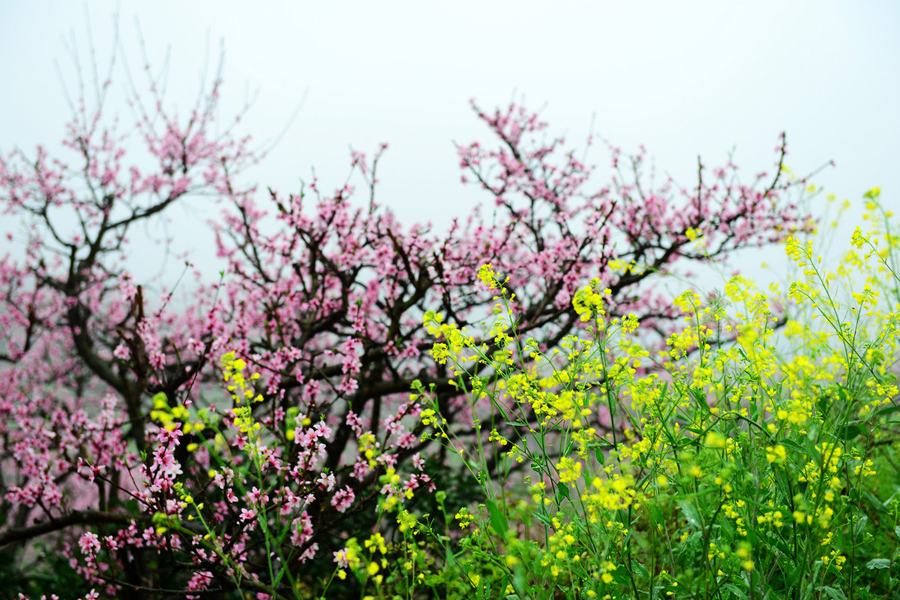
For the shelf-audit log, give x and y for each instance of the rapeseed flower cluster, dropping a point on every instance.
(750, 449)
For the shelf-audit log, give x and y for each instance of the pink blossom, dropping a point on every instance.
(343, 498)
(89, 543)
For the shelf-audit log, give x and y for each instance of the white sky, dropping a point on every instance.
(684, 78)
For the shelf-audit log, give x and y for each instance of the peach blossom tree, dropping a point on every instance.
(237, 442)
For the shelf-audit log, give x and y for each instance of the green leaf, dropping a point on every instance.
(873, 501)
(860, 525)
(897, 530)
(794, 576)
(886, 410)
(781, 545)
(781, 479)
(793, 446)
(735, 590)
(450, 559)
(519, 578)
(811, 451)
(498, 519)
(598, 453)
(848, 432)
(640, 569)
(842, 393)
(728, 527)
(690, 511)
(543, 517)
(879, 563)
(502, 409)
(562, 492)
(834, 593)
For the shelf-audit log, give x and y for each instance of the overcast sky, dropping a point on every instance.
(683, 78)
